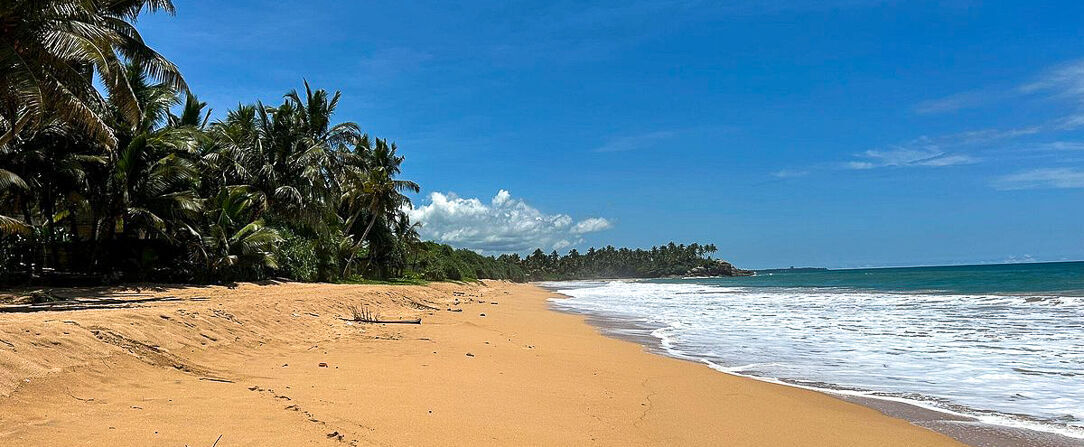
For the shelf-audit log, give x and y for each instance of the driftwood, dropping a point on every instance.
(366, 316)
(414, 321)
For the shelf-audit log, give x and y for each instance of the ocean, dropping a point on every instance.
(1000, 343)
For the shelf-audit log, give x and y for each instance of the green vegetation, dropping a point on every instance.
(438, 262)
(134, 182)
(609, 262)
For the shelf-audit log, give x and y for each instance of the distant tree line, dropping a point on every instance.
(609, 262)
(439, 262)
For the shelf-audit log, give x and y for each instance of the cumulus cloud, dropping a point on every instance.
(591, 225)
(1043, 178)
(503, 225)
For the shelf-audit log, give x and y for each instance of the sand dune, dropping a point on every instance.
(276, 364)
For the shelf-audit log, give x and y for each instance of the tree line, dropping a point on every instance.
(112, 169)
(609, 262)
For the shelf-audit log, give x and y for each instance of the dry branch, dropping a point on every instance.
(366, 316)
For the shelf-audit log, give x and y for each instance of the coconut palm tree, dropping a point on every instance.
(234, 241)
(52, 165)
(50, 51)
(153, 174)
(408, 235)
(10, 185)
(373, 190)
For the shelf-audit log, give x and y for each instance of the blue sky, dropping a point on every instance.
(829, 133)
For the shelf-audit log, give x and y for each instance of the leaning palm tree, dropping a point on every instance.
(369, 187)
(50, 51)
(385, 198)
(364, 175)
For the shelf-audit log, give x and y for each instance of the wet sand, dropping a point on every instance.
(965, 429)
(488, 365)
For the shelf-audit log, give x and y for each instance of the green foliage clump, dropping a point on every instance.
(297, 257)
(132, 181)
(441, 262)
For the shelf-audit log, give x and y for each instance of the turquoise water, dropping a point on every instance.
(1054, 278)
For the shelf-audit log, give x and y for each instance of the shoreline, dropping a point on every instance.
(491, 364)
(959, 426)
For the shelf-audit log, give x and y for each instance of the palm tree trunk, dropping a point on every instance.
(48, 208)
(354, 218)
(360, 241)
(350, 222)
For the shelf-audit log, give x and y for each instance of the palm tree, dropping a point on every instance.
(408, 235)
(314, 116)
(50, 50)
(153, 175)
(11, 183)
(289, 153)
(375, 190)
(234, 240)
(50, 167)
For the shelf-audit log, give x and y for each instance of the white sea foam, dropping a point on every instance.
(1009, 360)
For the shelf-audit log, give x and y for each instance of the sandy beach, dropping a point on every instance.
(490, 364)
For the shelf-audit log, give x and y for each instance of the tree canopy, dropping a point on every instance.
(111, 169)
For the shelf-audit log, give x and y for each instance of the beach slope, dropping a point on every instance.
(490, 364)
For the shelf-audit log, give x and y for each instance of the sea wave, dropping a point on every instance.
(1012, 360)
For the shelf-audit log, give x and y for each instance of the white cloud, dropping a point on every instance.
(1061, 146)
(987, 135)
(501, 198)
(1066, 80)
(904, 157)
(956, 102)
(504, 225)
(948, 160)
(1043, 178)
(591, 225)
(790, 173)
(1025, 259)
(634, 142)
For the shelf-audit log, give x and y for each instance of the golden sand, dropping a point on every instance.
(246, 365)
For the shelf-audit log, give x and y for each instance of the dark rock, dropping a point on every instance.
(718, 267)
